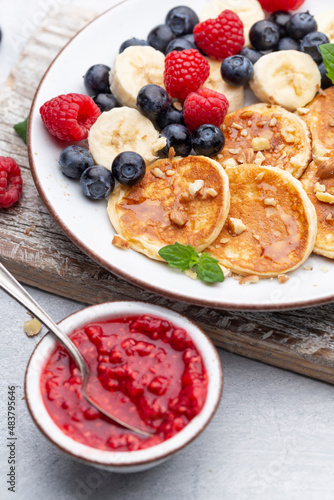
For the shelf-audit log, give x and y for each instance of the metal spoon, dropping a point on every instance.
(13, 288)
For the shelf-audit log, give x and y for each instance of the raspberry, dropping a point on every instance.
(204, 107)
(69, 117)
(274, 5)
(10, 182)
(221, 37)
(185, 72)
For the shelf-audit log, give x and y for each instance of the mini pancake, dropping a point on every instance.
(184, 200)
(271, 227)
(267, 135)
(318, 181)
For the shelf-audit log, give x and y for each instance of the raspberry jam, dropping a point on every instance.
(145, 371)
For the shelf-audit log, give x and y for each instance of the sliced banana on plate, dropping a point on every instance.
(325, 22)
(135, 67)
(288, 78)
(234, 95)
(123, 129)
(249, 11)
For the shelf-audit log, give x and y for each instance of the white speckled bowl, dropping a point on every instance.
(132, 461)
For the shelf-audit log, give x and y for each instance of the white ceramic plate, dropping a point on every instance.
(87, 223)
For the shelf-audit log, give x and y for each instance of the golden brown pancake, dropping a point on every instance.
(267, 135)
(271, 226)
(184, 200)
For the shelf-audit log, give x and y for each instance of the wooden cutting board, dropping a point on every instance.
(38, 253)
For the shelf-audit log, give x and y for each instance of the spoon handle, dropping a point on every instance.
(13, 288)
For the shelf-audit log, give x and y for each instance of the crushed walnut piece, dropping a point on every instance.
(157, 172)
(282, 278)
(270, 201)
(259, 176)
(246, 156)
(256, 237)
(260, 144)
(237, 126)
(325, 197)
(230, 163)
(326, 169)
(178, 218)
(319, 188)
(227, 272)
(259, 159)
(212, 192)
(273, 122)
(330, 217)
(171, 153)
(185, 197)
(331, 122)
(248, 113)
(308, 268)
(234, 151)
(32, 327)
(296, 162)
(288, 134)
(224, 240)
(249, 280)
(170, 172)
(191, 274)
(244, 132)
(303, 111)
(236, 226)
(177, 105)
(120, 242)
(195, 186)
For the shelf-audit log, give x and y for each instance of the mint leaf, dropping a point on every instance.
(180, 256)
(209, 270)
(21, 129)
(327, 52)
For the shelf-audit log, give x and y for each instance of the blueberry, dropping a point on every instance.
(310, 45)
(264, 35)
(179, 44)
(152, 101)
(96, 80)
(237, 70)
(325, 81)
(106, 102)
(179, 138)
(300, 25)
(97, 182)
(74, 160)
(181, 20)
(251, 54)
(281, 19)
(128, 168)
(160, 37)
(288, 43)
(208, 140)
(191, 39)
(172, 115)
(131, 42)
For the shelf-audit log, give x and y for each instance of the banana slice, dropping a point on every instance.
(288, 78)
(325, 22)
(249, 11)
(123, 129)
(235, 95)
(135, 67)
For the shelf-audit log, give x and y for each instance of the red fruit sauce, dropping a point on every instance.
(146, 372)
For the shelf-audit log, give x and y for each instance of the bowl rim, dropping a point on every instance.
(124, 459)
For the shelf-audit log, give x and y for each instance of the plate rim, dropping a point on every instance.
(282, 306)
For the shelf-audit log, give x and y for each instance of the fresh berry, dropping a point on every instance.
(274, 5)
(288, 43)
(97, 182)
(310, 45)
(96, 80)
(131, 42)
(281, 19)
(10, 182)
(204, 107)
(128, 168)
(172, 115)
(208, 140)
(325, 81)
(106, 102)
(152, 101)
(251, 54)
(191, 39)
(237, 70)
(160, 37)
(179, 138)
(181, 20)
(179, 44)
(69, 117)
(185, 72)
(74, 160)
(300, 25)
(264, 35)
(221, 37)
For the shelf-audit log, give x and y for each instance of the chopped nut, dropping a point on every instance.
(273, 122)
(260, 144)
(157, 172)
(249, 280)
(279, 147)
(247, 113)
(244, 132)
(325, 197)
(237, 226)
(177, 105)
(170, 173)
(259, 176)
(236, 126)
(195, 186)
(262, 123)
(259, 158)
(283, 155)
(191, 274)
(331, 122)
(330, 217)
(29, 230)
(249, 123)
(32, 327)
(227, 272)
(270, 211)
(120, 242)
(324, 269)
(246, 156)
(303, 111)
(185, 197)
(319, 188)
(230, 163)
(256, 237)
(224, 240)
(296, 162)
(282, 278)
(178, 218)
(234, 151)
(212, 192)
(326, 169)
(288, 134)
(308, 268)
(171, 153)
(270, 201)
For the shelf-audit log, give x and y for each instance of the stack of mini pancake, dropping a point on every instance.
(247, 206)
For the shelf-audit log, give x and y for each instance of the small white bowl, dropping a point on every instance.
(123, 461)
